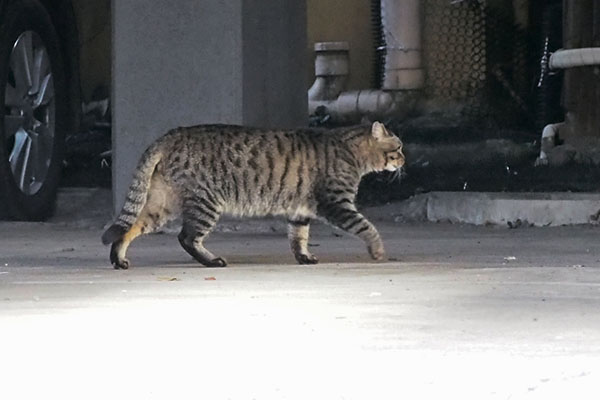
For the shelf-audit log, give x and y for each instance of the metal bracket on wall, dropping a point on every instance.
(545, 64)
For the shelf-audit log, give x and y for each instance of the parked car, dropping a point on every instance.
(40, 95)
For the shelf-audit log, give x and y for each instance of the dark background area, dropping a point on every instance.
(488, 142)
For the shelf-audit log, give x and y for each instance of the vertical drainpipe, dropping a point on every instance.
(401, 20)
(331, 70)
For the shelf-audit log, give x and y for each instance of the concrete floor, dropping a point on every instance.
(475, 312)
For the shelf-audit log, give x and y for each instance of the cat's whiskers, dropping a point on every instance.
(395, 176)
(391, 177)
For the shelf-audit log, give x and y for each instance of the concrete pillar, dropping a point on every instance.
(274, 63)
(187, 62)
(581, 85)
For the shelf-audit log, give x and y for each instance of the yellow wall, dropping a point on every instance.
(343, 20)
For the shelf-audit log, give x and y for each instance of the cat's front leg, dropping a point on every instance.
(344, 215)
(298, 235)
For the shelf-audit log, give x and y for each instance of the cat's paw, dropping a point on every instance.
(218, 262)
(121, 264)
(306, 259)
(377, 252)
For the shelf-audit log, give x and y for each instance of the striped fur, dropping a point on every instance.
(205, 171)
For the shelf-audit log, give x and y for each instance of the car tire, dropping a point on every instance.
(33, 112)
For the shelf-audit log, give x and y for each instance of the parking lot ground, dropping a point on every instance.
(456, 310)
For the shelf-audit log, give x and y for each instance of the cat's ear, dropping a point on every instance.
(378, 131)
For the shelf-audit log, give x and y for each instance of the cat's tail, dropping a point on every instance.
(136, 195)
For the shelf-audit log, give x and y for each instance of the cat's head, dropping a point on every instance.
(384, 149)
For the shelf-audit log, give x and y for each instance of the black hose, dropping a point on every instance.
(379, 43)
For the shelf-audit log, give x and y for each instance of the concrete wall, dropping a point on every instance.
(350, 21)
(274, 83)
(212, 61)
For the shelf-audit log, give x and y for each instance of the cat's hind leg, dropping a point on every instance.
(298, 235)
(149, 221)
(160, 207)
(199, 218)
(118, 249)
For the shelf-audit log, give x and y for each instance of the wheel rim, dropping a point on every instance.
(29, 112)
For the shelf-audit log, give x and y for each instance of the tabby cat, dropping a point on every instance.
(203, 172)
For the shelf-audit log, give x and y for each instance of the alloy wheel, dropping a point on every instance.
(29, 112)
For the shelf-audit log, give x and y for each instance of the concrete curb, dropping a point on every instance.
(91, 208)
(512, 209)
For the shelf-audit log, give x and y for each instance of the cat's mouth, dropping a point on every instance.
(393, 168)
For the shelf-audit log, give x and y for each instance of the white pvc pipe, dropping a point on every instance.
(575, 58)
(562, 59)
(551, 131)
(351, 106)
(331, 70)
(549, 135)
(401, 21)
